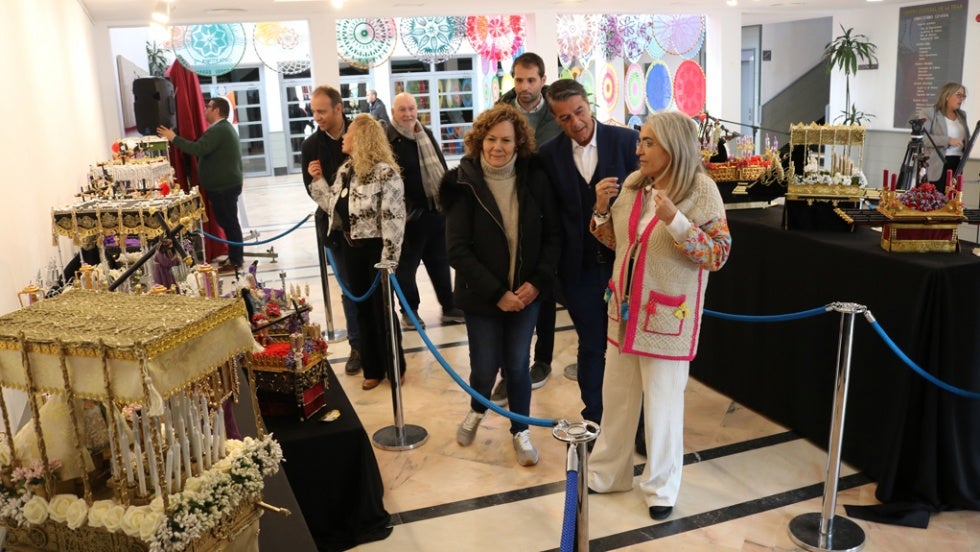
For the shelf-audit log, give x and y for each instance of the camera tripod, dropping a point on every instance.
(916, 159)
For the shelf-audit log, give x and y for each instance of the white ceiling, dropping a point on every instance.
(137, 12)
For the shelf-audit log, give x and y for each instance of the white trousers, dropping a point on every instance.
(659, 384)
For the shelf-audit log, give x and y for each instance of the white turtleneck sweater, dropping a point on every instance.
(502, 182)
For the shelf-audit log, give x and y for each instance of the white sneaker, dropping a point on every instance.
(527, 455)
(467, 428)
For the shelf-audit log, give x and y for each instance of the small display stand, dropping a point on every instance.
(291, 373)
(831, 177)
(127, 429)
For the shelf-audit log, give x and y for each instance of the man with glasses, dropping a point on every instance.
(219, 168)
(586, 154)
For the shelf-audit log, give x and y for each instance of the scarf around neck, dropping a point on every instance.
(429, 161)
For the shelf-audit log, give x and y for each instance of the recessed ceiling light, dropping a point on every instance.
(219, 11)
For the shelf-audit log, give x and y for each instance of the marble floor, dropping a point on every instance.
(745, 477)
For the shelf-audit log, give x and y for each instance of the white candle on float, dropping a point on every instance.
(168, 471)
(181, 439)
(222, 433)
(151, 453)
(205, 422)
(214, 437)
(138, 454)
(113, 447)
(195, 431)
(124, 447)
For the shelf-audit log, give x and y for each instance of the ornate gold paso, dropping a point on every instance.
(127, 216)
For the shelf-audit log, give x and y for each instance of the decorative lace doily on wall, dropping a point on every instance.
(610, 86)
(366, 42)
(610, 36)
(577, 35)
(209, 50)
(432, 39)
(637, 32)
(282, 46)
(635, 90)
(659, 89)
(496, 37)
(690, 88)
(587, 80)
(678, 34)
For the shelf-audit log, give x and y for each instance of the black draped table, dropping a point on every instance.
(334, 474)
(920, 443)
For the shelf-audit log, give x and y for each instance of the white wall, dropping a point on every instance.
(796, 47)
(54, 129)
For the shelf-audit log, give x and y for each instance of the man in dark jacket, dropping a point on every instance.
(324, 147)
(377, 108)
(528, 96)
(423, 166)
(588, 152)
(219, 156)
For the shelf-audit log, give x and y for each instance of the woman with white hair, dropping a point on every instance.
(668, 229)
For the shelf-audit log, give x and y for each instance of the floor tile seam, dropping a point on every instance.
(537, 491)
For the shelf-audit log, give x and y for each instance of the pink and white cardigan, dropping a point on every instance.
(660, 314)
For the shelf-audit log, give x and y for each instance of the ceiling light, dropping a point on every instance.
(337, 3)
(732, 3)
(161, 13)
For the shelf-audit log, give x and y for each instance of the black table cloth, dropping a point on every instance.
(921, 443)
(334, 474)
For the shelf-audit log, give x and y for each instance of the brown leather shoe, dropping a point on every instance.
(370, 383)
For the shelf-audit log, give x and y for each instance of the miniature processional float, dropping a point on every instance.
(126, 448)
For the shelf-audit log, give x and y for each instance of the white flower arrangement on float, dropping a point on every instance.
(200, 507)
(206, 499)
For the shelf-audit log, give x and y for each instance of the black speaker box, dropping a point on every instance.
(154, 104)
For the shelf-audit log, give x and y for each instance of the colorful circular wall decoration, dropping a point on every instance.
(565, 73)
(495, 37)
(678, 34)
(609, 90)
(635, 89)
(432, 39)
(282, 46)
(637, 32)
(659, 89)
(610, 36)
(366, 43)
(576, 37)
(690, 88)
(209, 50)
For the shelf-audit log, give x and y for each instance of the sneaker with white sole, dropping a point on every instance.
(453, 316)
(527, 455)
(467, 428)
(539, 374)
(499, 394)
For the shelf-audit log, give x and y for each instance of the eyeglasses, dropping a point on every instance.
(961, 95)
(645, 143)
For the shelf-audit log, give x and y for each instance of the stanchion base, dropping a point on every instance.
(846, 535)
(412, 436)
(336, 336)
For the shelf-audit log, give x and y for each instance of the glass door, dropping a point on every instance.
(244, 86)
(444, 93)
(295, 91)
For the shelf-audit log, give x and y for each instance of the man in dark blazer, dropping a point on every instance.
(585, 154)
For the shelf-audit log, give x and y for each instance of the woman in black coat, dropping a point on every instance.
(503, 240)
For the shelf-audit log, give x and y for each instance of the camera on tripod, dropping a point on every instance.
(916, 159)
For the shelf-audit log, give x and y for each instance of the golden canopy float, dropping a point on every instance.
(126, 447)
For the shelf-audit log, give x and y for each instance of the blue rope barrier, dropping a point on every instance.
(541, 422)
(916, 368)
(571, 511)
(770, 317)
(257, 242)
(343, 287)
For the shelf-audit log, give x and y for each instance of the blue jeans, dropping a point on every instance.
(502, 342)
(587, 307)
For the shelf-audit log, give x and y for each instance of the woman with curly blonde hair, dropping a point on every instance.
(503, 239)
(366, 205)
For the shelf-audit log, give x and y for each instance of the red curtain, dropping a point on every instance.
(191, 124)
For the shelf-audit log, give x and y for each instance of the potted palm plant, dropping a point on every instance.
(156, 59)
(846, 52)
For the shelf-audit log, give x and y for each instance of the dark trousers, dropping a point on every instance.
(951, 164)
(425, 241)
(544, 347)
(376, 353)
(224, 205)
(587, 307)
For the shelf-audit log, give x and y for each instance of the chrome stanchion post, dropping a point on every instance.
(578, 435)
(333, 335)
(823, 531)
(400, 436)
